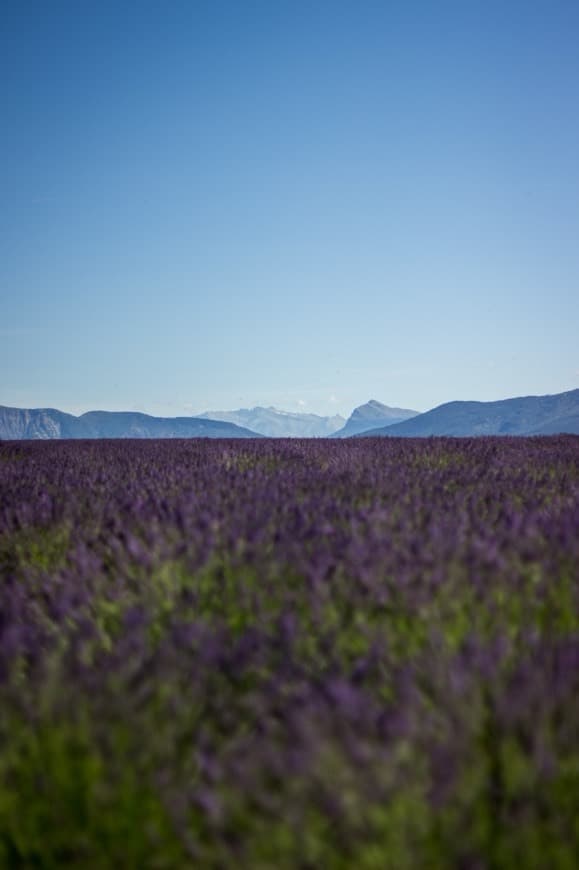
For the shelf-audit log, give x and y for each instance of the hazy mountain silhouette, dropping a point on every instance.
(371, 416)
(526, 415)
(18, 423)
(280, 424)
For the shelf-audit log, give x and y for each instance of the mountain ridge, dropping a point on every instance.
(521, 415)
(371, 415)
(47, 423)
(274, 423)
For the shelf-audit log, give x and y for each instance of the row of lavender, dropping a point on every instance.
(290, 654)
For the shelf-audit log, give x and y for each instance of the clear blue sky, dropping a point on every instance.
(306, 203)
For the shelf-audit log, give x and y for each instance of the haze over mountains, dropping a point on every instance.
(280, 424)
(527, 415)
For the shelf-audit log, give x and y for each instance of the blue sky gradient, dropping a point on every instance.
(219, 204)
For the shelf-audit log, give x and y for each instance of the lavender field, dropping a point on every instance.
(290, 654)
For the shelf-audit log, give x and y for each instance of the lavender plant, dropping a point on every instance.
(290, 654)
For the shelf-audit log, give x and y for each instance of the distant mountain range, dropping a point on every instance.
(372, 415)
(527, 415)
(280, 424)
(17, 423)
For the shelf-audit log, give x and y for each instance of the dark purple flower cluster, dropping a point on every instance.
(290, 654)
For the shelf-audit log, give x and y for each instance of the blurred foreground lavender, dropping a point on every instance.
(285, 654)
